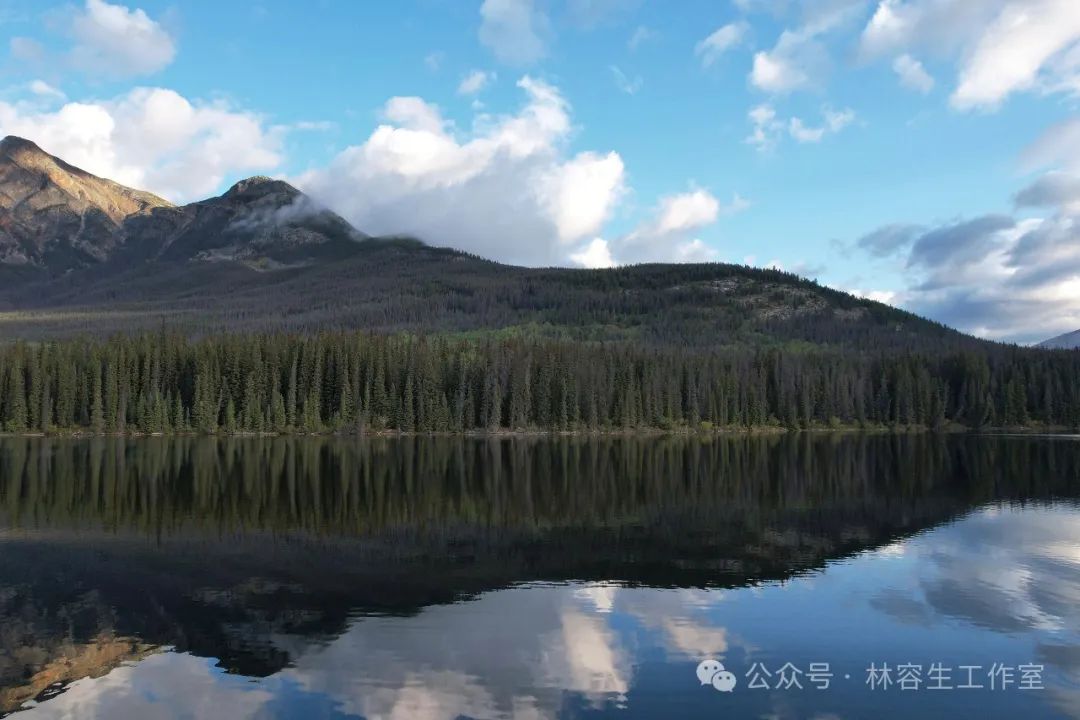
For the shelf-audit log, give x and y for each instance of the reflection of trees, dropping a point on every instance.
(323, 486)
(223, 546)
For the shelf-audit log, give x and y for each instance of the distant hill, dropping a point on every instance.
(84, 255)
(1064, 342)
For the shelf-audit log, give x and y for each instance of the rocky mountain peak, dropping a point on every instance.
(56, 215)
(260, 186)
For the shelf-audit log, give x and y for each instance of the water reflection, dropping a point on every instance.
(444, 578)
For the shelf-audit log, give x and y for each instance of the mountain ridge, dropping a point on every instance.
(58, 218)
(1065, 341)
(265, 256)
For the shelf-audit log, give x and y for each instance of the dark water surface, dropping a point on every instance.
(534, 578)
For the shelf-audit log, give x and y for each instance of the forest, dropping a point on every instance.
(354, 382)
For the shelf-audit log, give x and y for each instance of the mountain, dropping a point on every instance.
(57, 216)
(1067, 341)
(83, 255)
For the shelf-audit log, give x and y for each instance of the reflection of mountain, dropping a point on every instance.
(249, 550)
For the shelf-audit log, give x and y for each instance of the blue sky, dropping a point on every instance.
(879, 146)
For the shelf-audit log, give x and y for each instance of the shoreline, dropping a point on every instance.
(1024, 431)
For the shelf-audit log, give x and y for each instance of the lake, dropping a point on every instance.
(798, 576)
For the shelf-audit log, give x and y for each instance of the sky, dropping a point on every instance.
(924, 153)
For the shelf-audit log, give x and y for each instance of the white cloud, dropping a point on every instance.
(506, 189)
(833, 122)
(45, 90)
(799, 60)
(314, 125)
(720, 41)
(624, 83)
(888, 297)
(596, 254)
(580, 193)
(668, 234)
(767, 127)
(793, 64)
(889, 28)
(805, 134)
(1014, 48)
(153, 139)
(475, 81)
(686, 211)
(912, 74)
(515, 30)
(1000, 47)
(117, 41)
(414, 113)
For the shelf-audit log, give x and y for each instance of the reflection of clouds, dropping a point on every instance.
(512, 653)
(1003, 570)
(681, 618)
(600, 595)
(588, 660)
(1008, 571)
(1067, 659)
(156, 688)
(694, 639)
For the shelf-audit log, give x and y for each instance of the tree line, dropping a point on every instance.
(356, 382)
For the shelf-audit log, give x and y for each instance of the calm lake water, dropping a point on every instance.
(536, 578)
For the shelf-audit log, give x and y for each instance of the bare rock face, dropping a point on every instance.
(57, 216)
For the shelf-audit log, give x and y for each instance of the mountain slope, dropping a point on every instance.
(261, 222)
(83, 255)
(1067, 341)
(56, 216)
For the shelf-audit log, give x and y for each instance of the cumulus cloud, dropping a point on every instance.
(475, 81)
(153, 139)
(796, 62)
(720, 41)
(597, 254)
(505, 189)
(1001, 46)
(912, 74)
(516, 31)
(118, 41)
(667, 235)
